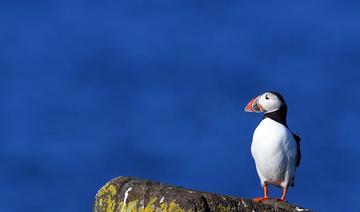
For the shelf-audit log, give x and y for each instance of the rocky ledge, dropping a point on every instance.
(124, 194)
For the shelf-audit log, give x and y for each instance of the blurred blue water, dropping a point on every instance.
(91, 91)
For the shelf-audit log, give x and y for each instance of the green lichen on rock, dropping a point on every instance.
(125, 194)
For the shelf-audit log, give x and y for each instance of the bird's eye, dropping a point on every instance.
(266, 97)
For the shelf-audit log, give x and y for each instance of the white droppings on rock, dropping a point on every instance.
(142, 203)
(125, 198)
(300, 209)
(162, 199)
(244, 203)
(127, 194)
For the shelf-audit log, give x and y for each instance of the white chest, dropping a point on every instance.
(273, 149)
(269, 135)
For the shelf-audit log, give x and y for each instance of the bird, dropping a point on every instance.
(274, 148)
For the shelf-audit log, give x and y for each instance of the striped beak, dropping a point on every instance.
(253, 105)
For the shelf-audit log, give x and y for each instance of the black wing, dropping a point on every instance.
(298, 153)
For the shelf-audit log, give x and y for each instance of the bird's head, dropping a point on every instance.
(266, 103)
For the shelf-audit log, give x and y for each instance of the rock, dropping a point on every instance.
(125, 194)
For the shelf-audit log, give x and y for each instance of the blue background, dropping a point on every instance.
(91, 91)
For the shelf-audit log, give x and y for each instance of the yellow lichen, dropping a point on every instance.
(150, 206)
(224, 209)
(106, 197)
(106, 201)
(132, 206)
(163, 207)
(174, 207)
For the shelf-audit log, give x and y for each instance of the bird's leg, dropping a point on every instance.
(283, 196)
(266, 194)
(266, 191)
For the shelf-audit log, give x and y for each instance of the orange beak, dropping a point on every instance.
(253, 105)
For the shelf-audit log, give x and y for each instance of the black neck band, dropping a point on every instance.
(278, 116)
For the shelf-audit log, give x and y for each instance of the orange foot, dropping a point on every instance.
(281, 200)
(260, 199)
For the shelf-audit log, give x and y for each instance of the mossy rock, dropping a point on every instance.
(126, 194)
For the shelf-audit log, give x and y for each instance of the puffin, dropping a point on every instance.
(275, 148)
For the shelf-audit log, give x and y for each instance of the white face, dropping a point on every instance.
(269, 102)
